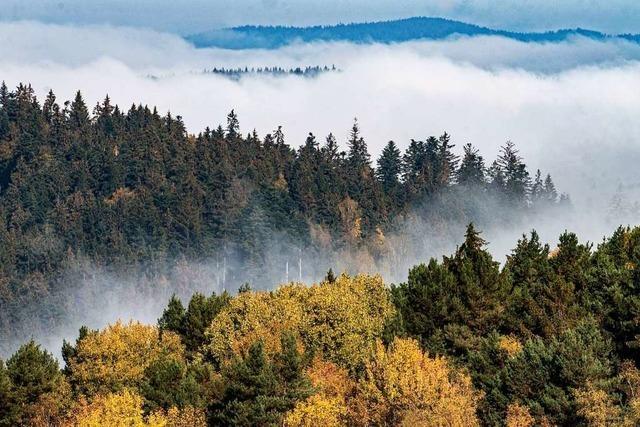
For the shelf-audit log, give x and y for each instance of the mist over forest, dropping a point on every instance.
(467, 202)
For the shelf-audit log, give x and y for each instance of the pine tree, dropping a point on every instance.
(516, 177)
(549, 191)
(233, 126)
(173, 316)
(471, 173)
(389, 167)
(32, 372)
(358, 156)
(199, 314)
(537, 189)
(258, 391)
(79, 113)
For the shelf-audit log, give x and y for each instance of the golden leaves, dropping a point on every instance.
(117, 356)
(519, 416)
(403, 386)
(123, 409)
(510, 345)
(339, 320)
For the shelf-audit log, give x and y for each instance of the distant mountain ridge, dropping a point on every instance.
(272, 37)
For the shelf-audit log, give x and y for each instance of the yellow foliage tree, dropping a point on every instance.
(597, 408)
(123, 409)
(328, 407)
(339, 320)
(117, 356)
(185, 417)
(519, 416)
(253, 316)
(510, 345)
(318, 410)
(403, 386)
(346, 317)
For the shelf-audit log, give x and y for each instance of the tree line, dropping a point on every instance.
(236, 73)
(550, 338)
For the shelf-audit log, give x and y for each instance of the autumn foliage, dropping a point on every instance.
(463, 343)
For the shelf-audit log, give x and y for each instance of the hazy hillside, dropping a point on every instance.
(271, 37)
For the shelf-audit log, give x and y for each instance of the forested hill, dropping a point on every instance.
(132, 192)
(271, 37)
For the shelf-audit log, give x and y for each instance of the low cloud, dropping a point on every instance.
(570, 107)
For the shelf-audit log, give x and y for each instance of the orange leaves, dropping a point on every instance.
(401, 386)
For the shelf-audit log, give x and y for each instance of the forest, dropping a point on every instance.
(107, 193)
(392, 31)
(548, 337)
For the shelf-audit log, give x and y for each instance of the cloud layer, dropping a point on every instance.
(570, 107)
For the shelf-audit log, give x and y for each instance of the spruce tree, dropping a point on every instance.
(537, 189)
(233, 126)
(32, 373)
(389, 167)
(471, 173)
(79, 113)
(516, 178)
(173, 316)
(358, 156)
(446, 163)
(549, 190)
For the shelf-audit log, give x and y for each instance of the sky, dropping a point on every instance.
(190, 16)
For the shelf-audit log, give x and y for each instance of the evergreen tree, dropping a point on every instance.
(537, 189)
(413, 167)
(199, 315)
(516, 177)
(447, 163)
(173, 316)
(330, 149)
(169, 383)
(471, 173)
(358, 156)
(79, 113)
(389, 166)
(549, 191)
(7, 406)
(32, 373)
(233, 126)
(258, 391)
